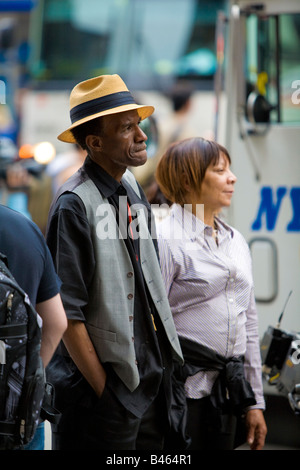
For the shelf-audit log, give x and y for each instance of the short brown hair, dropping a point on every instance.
(189, 157)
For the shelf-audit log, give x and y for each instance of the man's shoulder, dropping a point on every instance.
(11, 214)
(65, 198)
(15, 222)
(79, 177)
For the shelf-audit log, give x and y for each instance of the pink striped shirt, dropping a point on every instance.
(210, 290)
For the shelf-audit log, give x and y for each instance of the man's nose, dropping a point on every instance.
(141, 134)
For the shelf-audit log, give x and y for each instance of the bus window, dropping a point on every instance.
(147, 42)
(273, 67)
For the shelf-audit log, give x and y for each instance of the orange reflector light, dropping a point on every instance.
(26, 151)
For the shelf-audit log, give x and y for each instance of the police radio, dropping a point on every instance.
(280, 354)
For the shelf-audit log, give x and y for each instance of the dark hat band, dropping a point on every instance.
(98, 105)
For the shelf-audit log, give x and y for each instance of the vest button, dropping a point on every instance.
(129, 296)
(130, 317)
(130, 274)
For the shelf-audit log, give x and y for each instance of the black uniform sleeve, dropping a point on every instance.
(50, 283)
(72, 251)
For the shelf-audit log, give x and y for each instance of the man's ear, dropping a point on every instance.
(93, 142)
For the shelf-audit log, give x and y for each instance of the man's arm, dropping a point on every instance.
(54, 325)
(81, 350)
(71, 247)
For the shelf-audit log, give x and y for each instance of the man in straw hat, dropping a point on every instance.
(112, 372)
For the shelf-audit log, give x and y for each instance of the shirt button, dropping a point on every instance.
(129, 296)
(230, 300)
(130, 274)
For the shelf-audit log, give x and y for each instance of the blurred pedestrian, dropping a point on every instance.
(64, 165)
(175, 125)
(178, 125)
(206, 267)
(112, 374)
(30, 262)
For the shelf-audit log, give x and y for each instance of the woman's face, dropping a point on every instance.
(217, 187)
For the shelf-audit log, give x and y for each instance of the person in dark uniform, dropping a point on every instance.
(30, 262)
(113, 371)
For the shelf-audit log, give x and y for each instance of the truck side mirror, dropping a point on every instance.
(258, 108)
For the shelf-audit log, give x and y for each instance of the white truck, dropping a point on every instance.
(262, 133)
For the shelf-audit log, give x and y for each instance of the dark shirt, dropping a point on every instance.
(69, 235)
(28, 256)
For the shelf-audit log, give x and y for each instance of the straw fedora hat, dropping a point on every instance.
(97, 97)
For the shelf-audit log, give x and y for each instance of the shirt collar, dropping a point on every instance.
(195, 227)
(106, 184)
(224, 228)
(110, 187)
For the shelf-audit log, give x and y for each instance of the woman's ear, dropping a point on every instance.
(93, 142)
(185, 183)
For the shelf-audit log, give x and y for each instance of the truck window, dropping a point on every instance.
(272, 64)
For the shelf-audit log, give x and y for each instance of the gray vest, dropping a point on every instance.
(110, 311)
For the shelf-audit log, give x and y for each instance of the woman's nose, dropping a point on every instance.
(232, 178)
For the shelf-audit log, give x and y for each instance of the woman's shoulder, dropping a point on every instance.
(238, 236)
(233, 232)
(169, 228)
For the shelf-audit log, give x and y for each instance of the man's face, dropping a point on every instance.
(122, 142)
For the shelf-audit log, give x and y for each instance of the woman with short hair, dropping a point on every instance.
(206, 267)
